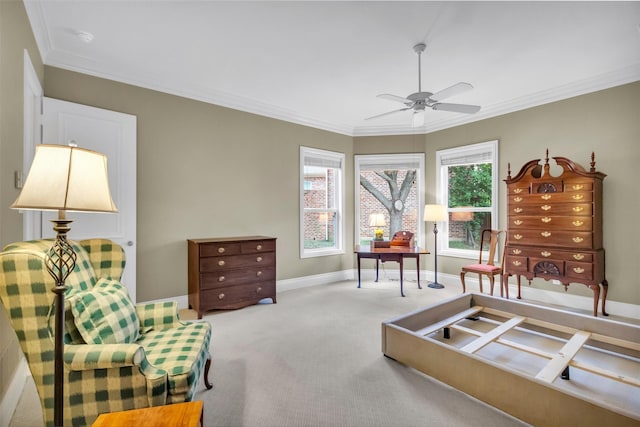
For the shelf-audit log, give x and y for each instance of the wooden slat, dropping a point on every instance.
(560, 361)
(632, 345)
(449, 320)
(492, 335)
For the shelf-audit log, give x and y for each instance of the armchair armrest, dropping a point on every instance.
(82, 357)
(158, 316)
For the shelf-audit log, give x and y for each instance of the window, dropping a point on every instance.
(321, 202)
(390, 185)
(467, 183)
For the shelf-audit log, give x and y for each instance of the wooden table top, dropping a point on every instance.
(187, 414)
(366, 249)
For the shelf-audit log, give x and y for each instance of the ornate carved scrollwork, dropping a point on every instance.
(546, 267)
(547, 187)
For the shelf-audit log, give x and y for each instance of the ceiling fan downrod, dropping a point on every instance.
(419, 48)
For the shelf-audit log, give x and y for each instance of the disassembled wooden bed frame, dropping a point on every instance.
(493, 357)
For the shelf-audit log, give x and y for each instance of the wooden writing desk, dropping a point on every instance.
(187, 414)
(392, 253)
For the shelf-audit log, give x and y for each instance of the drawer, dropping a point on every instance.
(219, 248)
(236, 296)
(551, 221)
(223, 263)
(578, 186)
(545, 266)
(566, 239)
(256, 246)
(580, 270)
(573, 209)
(516, 264)
(233, 277)
(551, 198)
(518, 189)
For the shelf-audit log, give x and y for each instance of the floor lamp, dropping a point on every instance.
(435, 213)
(64, 178)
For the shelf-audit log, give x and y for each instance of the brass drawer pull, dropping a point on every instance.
(221, 250)
(221, 296)
(545, 207)
(545, 219)
(517, 236)
(517, 199)
(578, 208)
(221, 279)
(578, 223)
(516, 263)
(517, 190)
(578, 239)
(259, 259)
(545, 234)
(545, 254)
(258, 290)
(259, 273)
(578, 270)
(221, 263)
(578, 196)
(517, 210)
(578, 186)
(259, 247)
(518, 222)
(578, 257)
(545, 196)
(517, 251)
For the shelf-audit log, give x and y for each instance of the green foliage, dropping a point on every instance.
(470, 185)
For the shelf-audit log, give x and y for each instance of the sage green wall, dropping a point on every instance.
(209, 171)
(605, 122)
(15, 37)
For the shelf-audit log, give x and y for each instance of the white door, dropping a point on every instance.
(113, 134)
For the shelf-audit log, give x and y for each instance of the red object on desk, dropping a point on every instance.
(400, 247)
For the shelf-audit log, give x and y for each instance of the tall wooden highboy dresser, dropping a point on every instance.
(231, 272)
(554, 226)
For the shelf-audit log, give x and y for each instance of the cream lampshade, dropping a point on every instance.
(64, 178)
(377, 220)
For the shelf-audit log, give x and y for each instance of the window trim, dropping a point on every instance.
(374, 159)
(489, 147)
(331, 156)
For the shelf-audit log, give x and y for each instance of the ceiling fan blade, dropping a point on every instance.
(395, 98)
(456, 108)
(450, 91)
(388, 112)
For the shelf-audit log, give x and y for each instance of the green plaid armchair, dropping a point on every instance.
(117, 356)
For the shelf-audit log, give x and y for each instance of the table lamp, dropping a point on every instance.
(435, 213)
(64, 178)
(377, 220)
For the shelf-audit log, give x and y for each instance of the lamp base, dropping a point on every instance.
(435, 285)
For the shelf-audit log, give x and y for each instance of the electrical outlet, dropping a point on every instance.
(555, 282)
(17, 179)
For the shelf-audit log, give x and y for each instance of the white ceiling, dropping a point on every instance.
(322, 63)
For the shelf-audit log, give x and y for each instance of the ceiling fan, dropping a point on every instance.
(419, 100)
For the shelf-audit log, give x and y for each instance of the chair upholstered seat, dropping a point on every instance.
(481, 267)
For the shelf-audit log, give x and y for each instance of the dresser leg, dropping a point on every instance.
(605, 288)
(596, 296)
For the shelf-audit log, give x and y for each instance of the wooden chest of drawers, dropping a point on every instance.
(231, 272)
(554, 226)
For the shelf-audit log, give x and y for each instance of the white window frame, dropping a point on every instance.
(465, 155)
(390, 161)
(328, 157)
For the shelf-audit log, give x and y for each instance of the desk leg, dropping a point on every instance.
(358, 270)
(377, 262)
(401, 278)
(418, 270)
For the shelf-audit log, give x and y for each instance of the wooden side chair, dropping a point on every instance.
(490, 267)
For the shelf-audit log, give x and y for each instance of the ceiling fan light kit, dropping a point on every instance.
(420, 101)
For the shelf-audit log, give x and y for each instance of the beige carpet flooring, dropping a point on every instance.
(314, 359)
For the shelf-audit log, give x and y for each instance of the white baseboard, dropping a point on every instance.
(530, 294)
(9, 404)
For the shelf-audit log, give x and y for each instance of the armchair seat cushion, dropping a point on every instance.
(181, 352)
